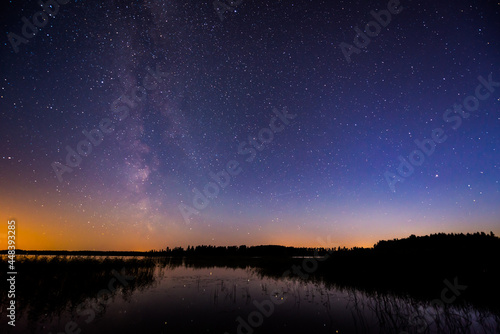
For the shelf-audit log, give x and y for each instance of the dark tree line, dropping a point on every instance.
(239, 251)
(434, 243)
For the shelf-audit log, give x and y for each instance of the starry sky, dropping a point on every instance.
(133, 125)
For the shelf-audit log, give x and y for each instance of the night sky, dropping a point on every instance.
(248, 122)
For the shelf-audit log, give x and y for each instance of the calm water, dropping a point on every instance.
(179, 299)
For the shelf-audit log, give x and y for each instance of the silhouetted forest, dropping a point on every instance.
(440, 243)
(416, 266)
(203, 250)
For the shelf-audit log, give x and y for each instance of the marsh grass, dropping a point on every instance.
(48, 285)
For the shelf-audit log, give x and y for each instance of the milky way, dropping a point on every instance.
(185, 90)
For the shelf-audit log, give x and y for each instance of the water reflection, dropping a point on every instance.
(408, 315)
(173, 295)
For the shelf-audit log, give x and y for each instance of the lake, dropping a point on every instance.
(175, 297)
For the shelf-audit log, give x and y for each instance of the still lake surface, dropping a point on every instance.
(184, 299)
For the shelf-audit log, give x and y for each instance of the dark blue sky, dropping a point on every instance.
(211, 86)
